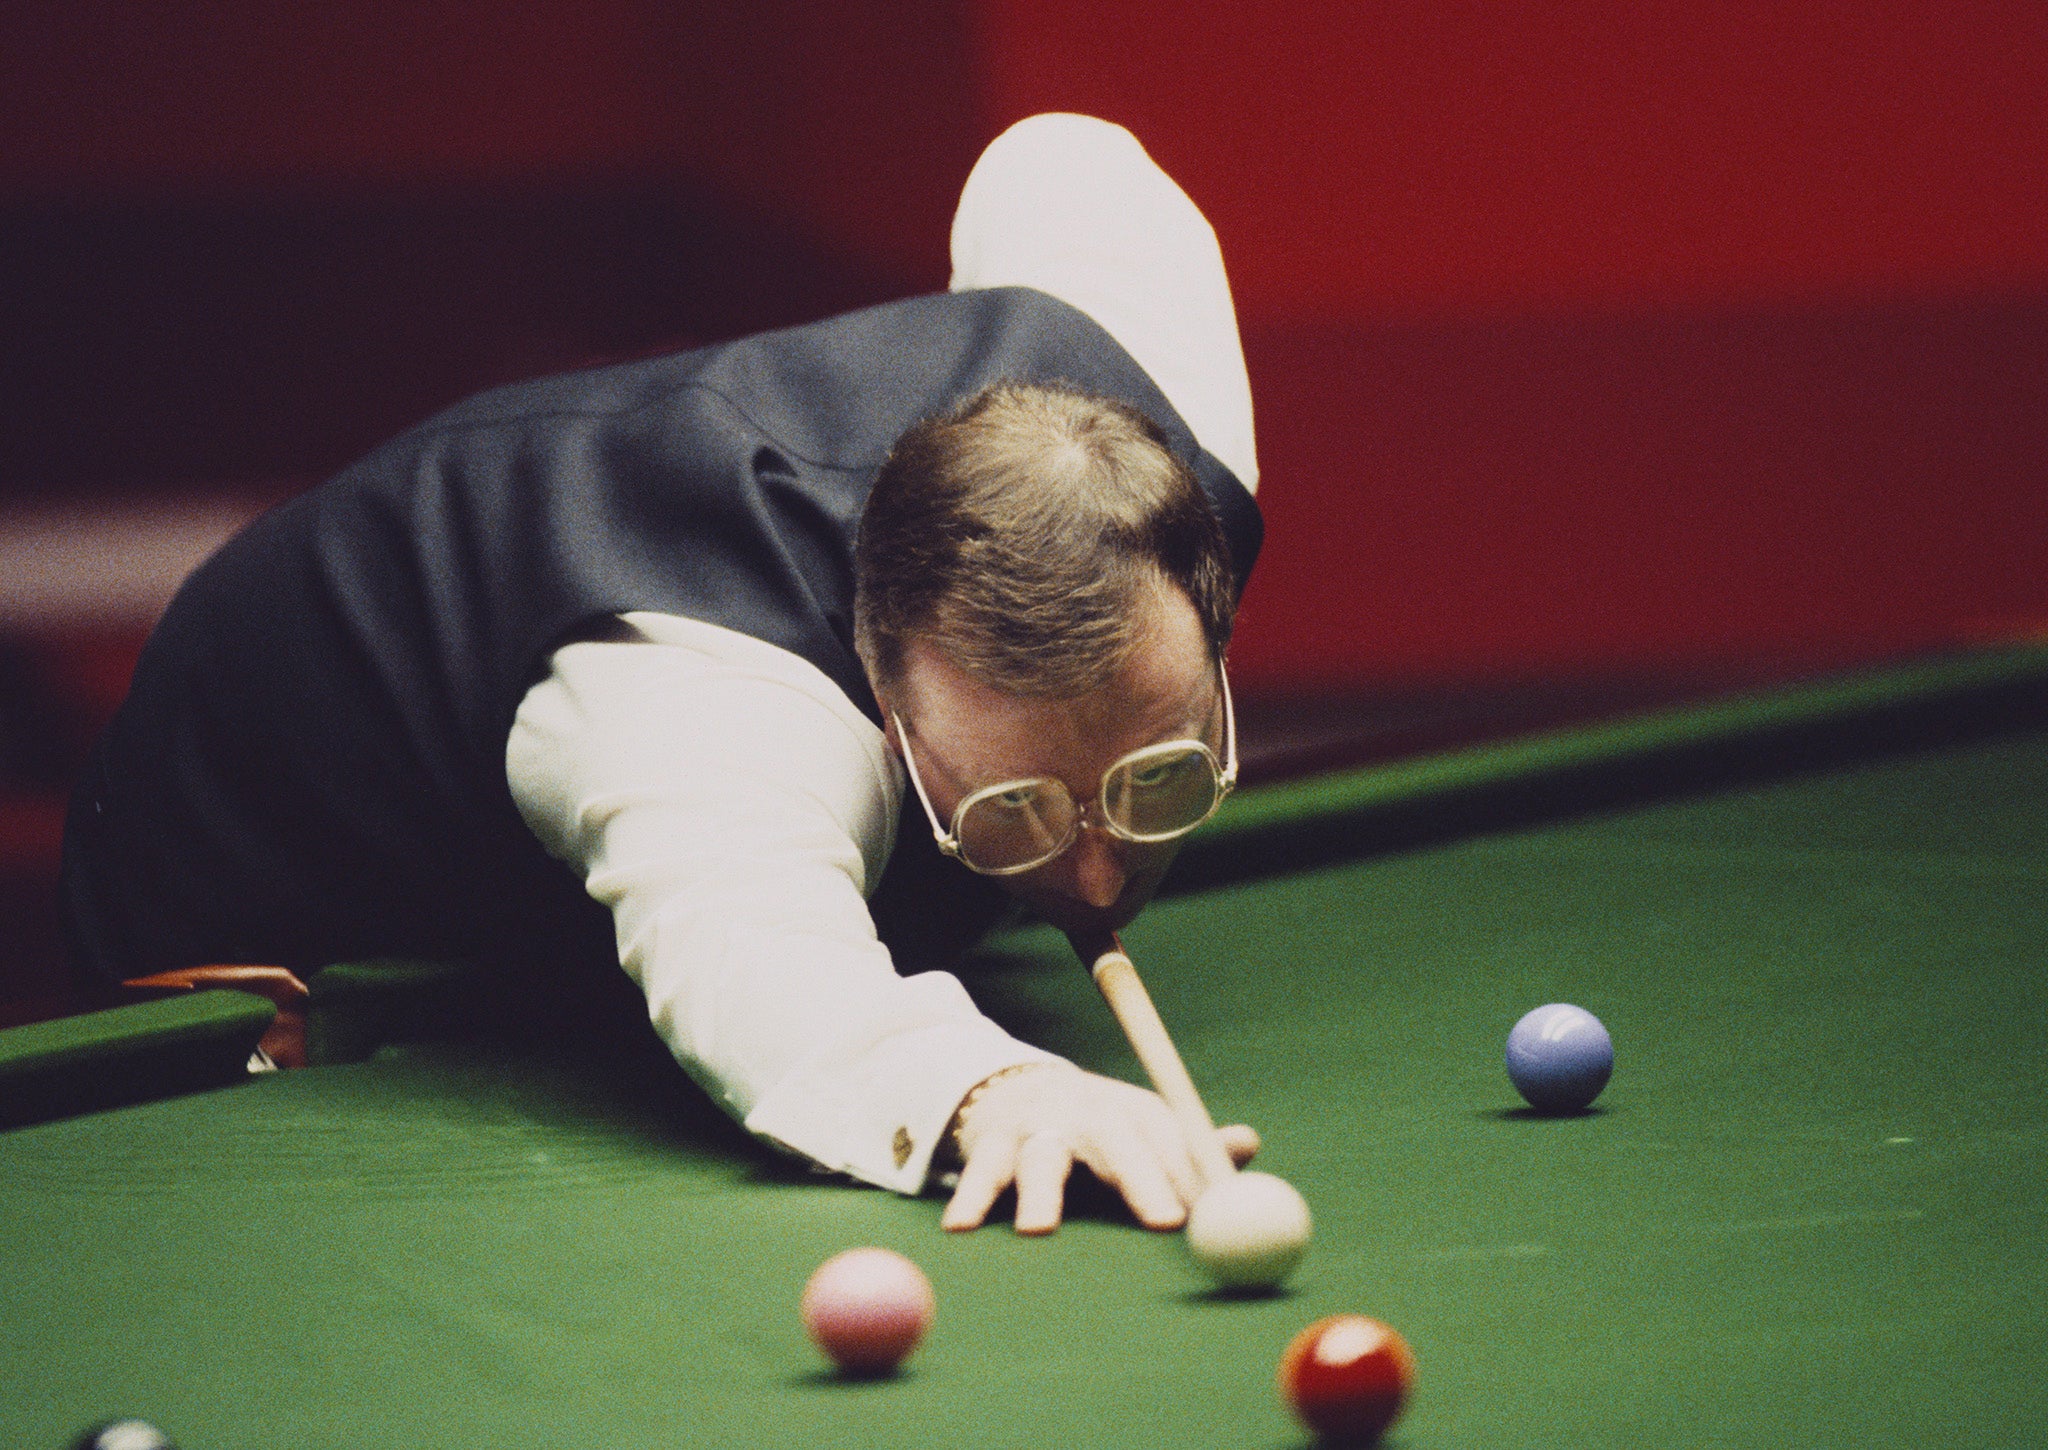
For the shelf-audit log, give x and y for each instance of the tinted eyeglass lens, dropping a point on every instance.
(1158, 795)
(1019, 826)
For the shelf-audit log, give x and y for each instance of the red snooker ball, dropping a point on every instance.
(1347, 1377)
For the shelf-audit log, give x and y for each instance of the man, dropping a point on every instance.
(630, 666)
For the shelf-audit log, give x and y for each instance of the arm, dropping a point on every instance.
(730, 807)
(1075, 208)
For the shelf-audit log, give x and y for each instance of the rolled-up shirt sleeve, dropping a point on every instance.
(732, 808)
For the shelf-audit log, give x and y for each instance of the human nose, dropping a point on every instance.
(1100, 871)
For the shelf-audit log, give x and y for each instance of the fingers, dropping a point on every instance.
(1029, 1130)
(1170, 1151)
(1043, 1164)
(990, 1169)
(1136, 1169)
(1039, 1168)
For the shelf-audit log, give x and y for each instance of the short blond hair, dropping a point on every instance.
(1023, 536)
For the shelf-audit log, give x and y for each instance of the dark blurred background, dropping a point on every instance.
(1604, 354)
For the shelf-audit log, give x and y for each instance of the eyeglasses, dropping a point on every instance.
(1155, 793)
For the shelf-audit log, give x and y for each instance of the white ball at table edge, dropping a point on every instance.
(1249, 1231)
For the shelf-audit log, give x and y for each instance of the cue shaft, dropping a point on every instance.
(1116, 977)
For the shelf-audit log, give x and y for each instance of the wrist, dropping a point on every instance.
(951, 1151)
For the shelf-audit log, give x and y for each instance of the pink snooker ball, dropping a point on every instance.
(867, 1309)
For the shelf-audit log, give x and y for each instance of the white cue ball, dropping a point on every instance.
(1249, 1231)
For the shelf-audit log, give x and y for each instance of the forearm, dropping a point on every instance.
(1073, 207)
(730, 815)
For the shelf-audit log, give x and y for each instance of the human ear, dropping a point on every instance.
(889, 731)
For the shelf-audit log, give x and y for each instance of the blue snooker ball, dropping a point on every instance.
(1559, 1057)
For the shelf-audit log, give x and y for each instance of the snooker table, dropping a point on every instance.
(1810, 1209)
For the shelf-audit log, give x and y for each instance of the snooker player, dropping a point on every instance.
(643, 666)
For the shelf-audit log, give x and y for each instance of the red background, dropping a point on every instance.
(1582, 333)
(1590, 339)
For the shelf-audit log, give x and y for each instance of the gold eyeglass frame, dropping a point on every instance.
(1225, 772)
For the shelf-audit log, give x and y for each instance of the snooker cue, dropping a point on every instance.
(1116, 977)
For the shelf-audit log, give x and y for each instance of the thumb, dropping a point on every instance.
(1240, 1142)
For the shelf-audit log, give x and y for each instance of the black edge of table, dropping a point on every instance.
(197, 1041)
(203, 1040)
(1749, 738)
(101, 1060)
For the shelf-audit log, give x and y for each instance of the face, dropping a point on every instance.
(968, 735)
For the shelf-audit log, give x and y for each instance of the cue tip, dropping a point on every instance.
(1094, 948)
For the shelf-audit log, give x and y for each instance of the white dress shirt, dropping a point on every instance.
(734, 809)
